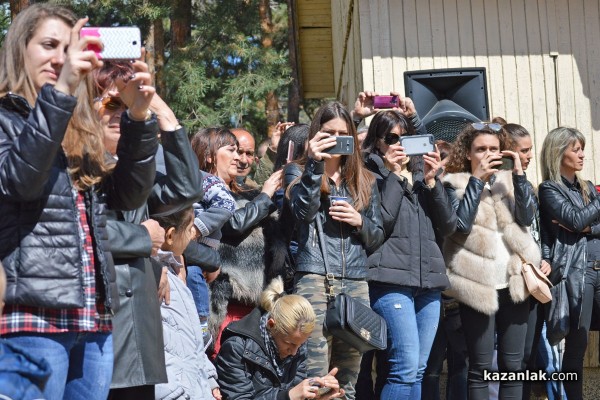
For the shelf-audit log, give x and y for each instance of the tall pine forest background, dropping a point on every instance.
(215, 62)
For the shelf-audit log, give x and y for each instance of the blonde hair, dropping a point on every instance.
(554, 147)
(83, 142)
(291, 312)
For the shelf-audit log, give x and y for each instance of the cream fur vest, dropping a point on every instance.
(468, 256)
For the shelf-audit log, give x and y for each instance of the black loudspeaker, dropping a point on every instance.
(448, 99)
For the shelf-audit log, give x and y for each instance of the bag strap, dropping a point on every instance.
(329, 278)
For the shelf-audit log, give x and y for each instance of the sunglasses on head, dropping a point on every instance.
(491, 125)
(111, 103)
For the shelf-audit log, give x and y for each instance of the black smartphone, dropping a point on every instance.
(343, 145)
(417, 145)
(508, 163)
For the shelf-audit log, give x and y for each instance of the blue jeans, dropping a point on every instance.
(548, 360)
(412, 316)
(197, 285)
(81, 363)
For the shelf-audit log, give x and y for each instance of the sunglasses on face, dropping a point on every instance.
(111, 103)
(391, 138)
(492, 125)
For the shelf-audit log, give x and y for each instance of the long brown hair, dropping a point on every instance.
(457, 159)
(83, 142)
(358, 179)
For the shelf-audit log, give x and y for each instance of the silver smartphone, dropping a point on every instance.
(417, 145)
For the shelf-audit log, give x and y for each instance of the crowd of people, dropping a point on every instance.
(141, 261)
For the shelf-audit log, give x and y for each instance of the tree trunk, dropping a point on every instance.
(294, 92)
(181, 23)
(158, 30)
(266, 27)
(16, 6)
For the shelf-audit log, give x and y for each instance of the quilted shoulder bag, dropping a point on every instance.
(558, 322)
(347, 318)
(537, 283)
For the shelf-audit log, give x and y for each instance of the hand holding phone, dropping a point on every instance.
(384, 102)
(290, 152)
(343, 145)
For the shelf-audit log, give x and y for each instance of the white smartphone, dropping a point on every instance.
(417, 145)
(120, 42)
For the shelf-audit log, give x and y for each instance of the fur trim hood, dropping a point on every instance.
(467, 256)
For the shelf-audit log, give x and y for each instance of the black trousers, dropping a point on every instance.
(577, 339)
(509, 324)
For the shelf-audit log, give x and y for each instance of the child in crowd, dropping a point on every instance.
(190, 373)
(22, 375)
(210, 214)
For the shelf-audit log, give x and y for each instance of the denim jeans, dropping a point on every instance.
(412, 317)
(81, 363)
(197, 285)
(548, 360)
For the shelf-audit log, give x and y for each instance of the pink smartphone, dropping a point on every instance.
(120, 42)
(386, 101)
(290, 153)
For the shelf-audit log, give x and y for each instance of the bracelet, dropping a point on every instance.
(148, 116)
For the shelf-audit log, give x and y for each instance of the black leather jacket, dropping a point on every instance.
(412, 215)
(568, 245)
(347, 247)
(40, 245)
(137, 326)
(466, 209)
(245, 369)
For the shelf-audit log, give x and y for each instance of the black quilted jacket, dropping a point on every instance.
(40, 246)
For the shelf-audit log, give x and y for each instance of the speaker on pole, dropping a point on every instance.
(448, 99)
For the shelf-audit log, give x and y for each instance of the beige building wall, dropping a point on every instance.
(542, 56)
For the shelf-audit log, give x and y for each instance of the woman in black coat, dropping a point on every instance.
(263, 355)
(570, 220)
(408, 270)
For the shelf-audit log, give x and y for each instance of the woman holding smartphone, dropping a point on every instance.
(55, 188)
(339, 191)
(407, 273)
(484, 256)
(570, 219)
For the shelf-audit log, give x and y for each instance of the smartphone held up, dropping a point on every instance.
(118, 43)
(343, 145)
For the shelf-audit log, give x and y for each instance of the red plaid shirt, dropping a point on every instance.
(91, 318)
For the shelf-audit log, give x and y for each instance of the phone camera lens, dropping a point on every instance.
(134, 42)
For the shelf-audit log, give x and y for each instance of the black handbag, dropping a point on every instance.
(557, 311)
(347, 318)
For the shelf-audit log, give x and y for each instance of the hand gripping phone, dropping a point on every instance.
(508, 163)
(343, 145)
(386, 101)
(417, 145)
(120, 43)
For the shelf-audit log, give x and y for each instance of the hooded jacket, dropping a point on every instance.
(471, 250)
(40, 246)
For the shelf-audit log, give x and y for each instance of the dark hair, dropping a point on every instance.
(106, 76)
(359, 180)
(457, 159)
(298, 134)
(206, 142)
(382, 124)
(444, 148)
(178, 220)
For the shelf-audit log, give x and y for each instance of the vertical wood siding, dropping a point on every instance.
(512, 39)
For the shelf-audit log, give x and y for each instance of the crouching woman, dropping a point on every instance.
(263, 355)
